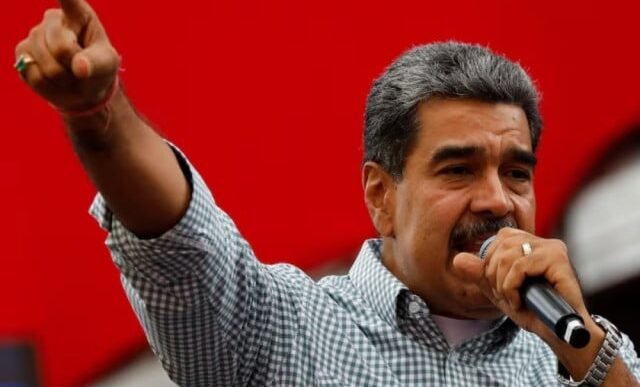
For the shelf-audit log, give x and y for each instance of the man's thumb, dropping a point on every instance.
(95, 61)
(468, 266)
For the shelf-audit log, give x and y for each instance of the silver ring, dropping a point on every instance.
(526, 248)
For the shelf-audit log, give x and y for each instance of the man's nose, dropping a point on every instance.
(491, 196)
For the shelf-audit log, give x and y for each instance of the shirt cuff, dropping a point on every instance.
(170, 257)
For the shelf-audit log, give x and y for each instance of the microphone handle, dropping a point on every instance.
(554, 311)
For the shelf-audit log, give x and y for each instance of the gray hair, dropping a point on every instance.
(448, 70)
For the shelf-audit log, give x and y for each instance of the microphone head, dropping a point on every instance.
(485, 246)
(576, 334)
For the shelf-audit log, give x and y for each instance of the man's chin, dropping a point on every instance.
(477, 306)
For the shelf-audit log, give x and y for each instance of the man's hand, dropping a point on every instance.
(74, 62)
(502, 273)
(74, 68)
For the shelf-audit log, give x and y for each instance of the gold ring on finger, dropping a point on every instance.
(23, 62)
(526, 248)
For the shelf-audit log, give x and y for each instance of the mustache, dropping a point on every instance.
(463, 233)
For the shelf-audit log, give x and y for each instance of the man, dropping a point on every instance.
(450, 135)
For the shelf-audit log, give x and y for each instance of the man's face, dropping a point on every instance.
(469, 173)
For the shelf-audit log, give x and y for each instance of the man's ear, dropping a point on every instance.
(379, 196)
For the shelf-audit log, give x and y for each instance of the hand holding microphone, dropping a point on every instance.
(531, 280)
(548, 305)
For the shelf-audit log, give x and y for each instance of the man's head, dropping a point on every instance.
(450, 134)
(445, 70)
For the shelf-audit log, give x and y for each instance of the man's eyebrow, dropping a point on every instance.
(458, 152)
(455, 152)
(522, 156)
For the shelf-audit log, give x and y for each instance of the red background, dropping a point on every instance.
(267, 100)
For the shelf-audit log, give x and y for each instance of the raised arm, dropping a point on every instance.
(69, 61)
(206, 304)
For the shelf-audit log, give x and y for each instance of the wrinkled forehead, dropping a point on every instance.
(474, 127)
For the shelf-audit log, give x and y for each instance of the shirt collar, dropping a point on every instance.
(389, 297)
(378, 286)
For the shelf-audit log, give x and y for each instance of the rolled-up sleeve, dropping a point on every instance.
(196, 289)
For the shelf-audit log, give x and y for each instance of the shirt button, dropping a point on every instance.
(454, 356)
(414, 307)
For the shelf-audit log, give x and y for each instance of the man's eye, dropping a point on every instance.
(520, 174)
(457, 170)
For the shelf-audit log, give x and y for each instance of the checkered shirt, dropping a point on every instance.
(215, 316)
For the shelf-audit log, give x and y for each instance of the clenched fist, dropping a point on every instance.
(69, 59)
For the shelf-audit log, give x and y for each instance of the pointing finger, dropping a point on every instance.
(77, 12)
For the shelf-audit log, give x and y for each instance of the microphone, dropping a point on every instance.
(550, 307)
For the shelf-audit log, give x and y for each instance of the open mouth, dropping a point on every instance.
(471, 245)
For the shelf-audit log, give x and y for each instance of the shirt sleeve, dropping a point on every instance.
(207, 306)
(630, 356)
